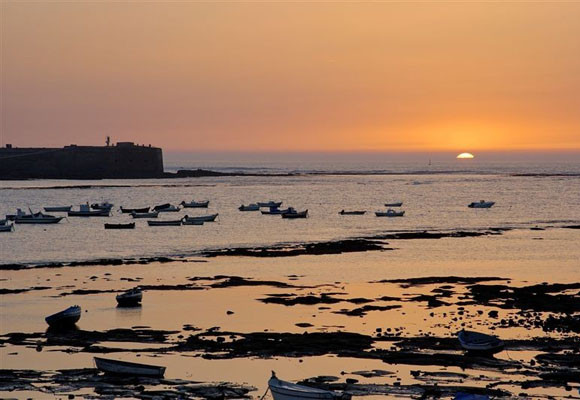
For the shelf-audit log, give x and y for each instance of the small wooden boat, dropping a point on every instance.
(481, 204)
(249, 207)
(6, 227)
(130, 298)
(192, 222)
(116, 367)
(86, 211)
(479, 342)
(130, 225)
(166, 208)
(389, 213)
(177, 222)
(202, 218)
(344, 212)
(35, 218)
(65, 318)
(102, 206)
(275, 211)
(270, 204)
(396, 204)
(58, 209)
(283, 390)
(135, 210)
(295, 214)
(153, 214)
(195, 204)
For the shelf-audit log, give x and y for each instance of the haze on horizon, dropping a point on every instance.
(293, 77)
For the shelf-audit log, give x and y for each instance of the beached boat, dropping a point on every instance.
(130, 225)
(249, 207)
(283, 390)
(65, 318)
(195, 204)
(292, 213)
(35, 218)
(153, 214)
(344, 212)
(102, 206)
(275, 211)
(3, 221)
(389, 213)
(6, 227)
(86, 211)
(58, 209)
(202, 218)
(479, 342)
(135, 210)
(395, 204)
(481, 204)
(177, 222)
(270, 204)
(187, 221)
(470, 396)
(130, 298)
(116, 367)
(166, 208)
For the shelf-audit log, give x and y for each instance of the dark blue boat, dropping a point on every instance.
(64, 318)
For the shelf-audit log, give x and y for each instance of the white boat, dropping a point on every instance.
(35, 218)
(395, 204)
(117, 367)
(129, 298)
(479, 342)
(292, 213)
(102, 206)
(270, 204)
(249, 207)
(153, 214)
(58, 209)
(6, 227)
(481, 204)
(177, 222)
(283, 390)
(195, 204)
(202, 218)
(86, 211)
(65, 318)
(389, 213)
(166, 208)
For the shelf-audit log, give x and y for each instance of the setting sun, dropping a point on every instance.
(465, 156)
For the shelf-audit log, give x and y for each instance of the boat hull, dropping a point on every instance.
(58, 209)
(294, 215)
(120, 226)
(135, 210)
(386, 214)
(42, 221)
(203, 218)
(145, 215)
(203, 204)
(129, 299)
(115, 367)
(479, 343)
(282, 390)
(164, 223)
(271, 204)
(6, 228)
(352, 212)
(92, 213)
(65, 318)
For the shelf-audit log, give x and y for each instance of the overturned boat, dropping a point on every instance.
(476, 342)
(130, 298)
(195, 204)
(116, 367)
(64, 318)
(481, 204)
(283, 390)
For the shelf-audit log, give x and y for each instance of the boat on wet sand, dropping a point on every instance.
(481, 204)
(130, 298)
(192, 222)
(130, 225)
(202, 218)
(275, 211)
(177, 222)
(283, 390)
(269, 204)
(195, 204)
(117, 367)
(135, 210)
(476, 342)
(65, 318)
(86, 211)
(102, 206)
(166, 208)
(292, 213)
(35, 218)
(394, 204)
(58, 209)
(249, 207)
(344, 212)
(389, 213)
(6, 227)
(153, 214)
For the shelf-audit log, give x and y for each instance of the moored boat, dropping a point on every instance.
(166, 208)
(153, 214)
(481, 204)
(476, 342)
(177, 222)
(344, 212)
(64, 318)
(292, 213)
(275, 211)
(135, 210)
(470, 396)
(283, 390)
(35, 218)
(58, 209)
(130, 298)
(6, 228)
(86, 211)
(195, 204)
(130, 225)
(269, 204)
(249, 207)
(389, 213)
(395, 204)
(202, 218)
(102, 206)
(117, 367)
(192, 222)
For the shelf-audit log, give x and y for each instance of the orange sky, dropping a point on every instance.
(293, 76)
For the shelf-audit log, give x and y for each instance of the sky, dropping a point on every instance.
(293, 77)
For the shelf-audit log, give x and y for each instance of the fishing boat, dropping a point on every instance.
(275, 211)
(65, 318)
(166, 208)
(86, 211)
(135, 210)
(190, 221)
(390, 213)
(479, 342)
(295, 214)
(153, 214)
(6, 227)
(195, 204)
(249, 207)
(35, 218)
(481, 204)
(283, 390)
(102, 206)
(344, 212)
(58, 209)
(130, 298)
(130, 225)
(177, 222)
(270, 204)
(116, 367)
(395, 204)
(202, 218)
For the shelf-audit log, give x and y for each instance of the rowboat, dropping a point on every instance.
(35, 218)
(129, 298)
(6, 227)
(177, 222)
(275, 211)
(481, 204)
(166, 208)
(202, 218)
(135, 210)
(283, 390)
(195, 204)
(116, 367)
(396, 204)
(389, 213)
(65, 318)
(130, 225)
(479, 342)
(192, 222)
(153, 214)
(343, 212)
(102, 206)
(270, 204)
(295, 214)
(58, 209)
(249, 207)
(86, 211)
